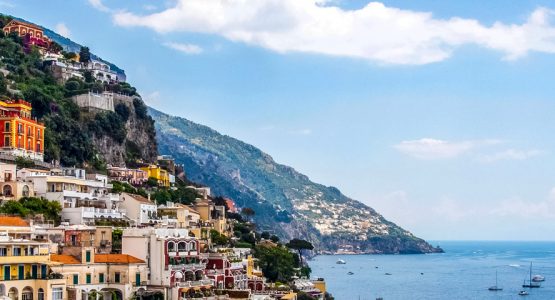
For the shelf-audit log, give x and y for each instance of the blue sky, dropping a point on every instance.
(436, 113)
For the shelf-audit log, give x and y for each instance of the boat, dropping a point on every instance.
(495, 287)
(340, 262)
(350, 273)
(530, 284)
(523, 293)
(538, 278)
(387, 273)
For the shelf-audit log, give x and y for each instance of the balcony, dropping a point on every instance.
(188, 267)
(198, 283)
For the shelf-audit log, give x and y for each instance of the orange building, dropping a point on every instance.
(32, 34)
(22, 135)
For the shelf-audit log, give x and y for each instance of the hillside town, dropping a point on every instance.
(129, 231)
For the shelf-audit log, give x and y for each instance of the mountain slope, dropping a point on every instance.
(284, 200)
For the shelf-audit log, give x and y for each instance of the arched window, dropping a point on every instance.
(25, 191)
(40, 295)
(27, 293)
(2, 290)
(171, 247)
(193, 246)
(182, 246)
(7, 190)
(12, 294)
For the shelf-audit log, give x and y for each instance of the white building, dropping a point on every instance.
(173, 257)
(138, 208)
(101, 71)
(83, 197)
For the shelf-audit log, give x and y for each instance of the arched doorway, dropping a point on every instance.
(40, 294)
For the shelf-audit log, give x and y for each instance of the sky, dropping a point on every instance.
(438, 114)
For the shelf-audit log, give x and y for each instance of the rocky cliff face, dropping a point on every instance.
(139, 144)
(285, 201)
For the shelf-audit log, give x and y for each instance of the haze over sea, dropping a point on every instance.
(465, 271)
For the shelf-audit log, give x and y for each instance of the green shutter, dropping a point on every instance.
(21, 272)
(88, 256)
(75, 279)
(7, 271)
(88, 278)
(101, 278)
(138, 278)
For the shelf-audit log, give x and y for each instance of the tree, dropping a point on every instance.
(299, 245)
(274, 238)
(265, 235)
(69, 55)
(84, 55)
(277, 263)
(217, 238)
(247, 212)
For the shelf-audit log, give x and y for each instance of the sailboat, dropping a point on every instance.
(530, 284)
(495, 287)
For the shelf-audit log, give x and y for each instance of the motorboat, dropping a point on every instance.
(340, 262)
(523, 293)
(538, 278)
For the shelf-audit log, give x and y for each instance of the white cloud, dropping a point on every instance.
(185, 48)
(7, 4)
(152, 98)
(62, 29)
(99, 5)
(375, 32)
(304, 131)
(511, 154)
(429, 148)
(527, 209)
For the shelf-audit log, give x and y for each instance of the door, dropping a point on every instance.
(21, 272)
(43, 271)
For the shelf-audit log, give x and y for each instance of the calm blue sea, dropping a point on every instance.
(465, 271)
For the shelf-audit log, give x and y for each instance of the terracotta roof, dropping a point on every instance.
(139, 198)
(65, 259)
(117, 259)
(16, 22)
(13, 221)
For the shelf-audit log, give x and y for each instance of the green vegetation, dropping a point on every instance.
(31, 206)
(300, 245)
(277, 263)
(70, 133)
(217, 238)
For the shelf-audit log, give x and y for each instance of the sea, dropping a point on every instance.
(465, 271)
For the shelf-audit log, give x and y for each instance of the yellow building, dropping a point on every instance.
(25, 271)
(91, 275)
(160, 174)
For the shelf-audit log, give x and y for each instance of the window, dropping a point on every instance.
(27, 294)
(89, 278)
(7, 191)
(75, 279)
(25, 191)
(7, 127)
(16, 250)
(101, 278)
(7, 141)
(88, 256)
(40, 295)
(19, 128)
(138, 278)
(57, 293)
(117, 277)
(3, 251)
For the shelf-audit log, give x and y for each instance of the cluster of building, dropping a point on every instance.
(162, 250)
